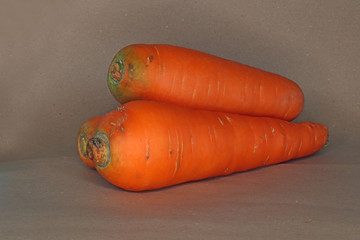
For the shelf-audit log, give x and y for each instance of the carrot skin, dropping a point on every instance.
(146, 145)
(85, 133)
(195, 79)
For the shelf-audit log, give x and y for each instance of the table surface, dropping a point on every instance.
(54, 59)
(316, 197)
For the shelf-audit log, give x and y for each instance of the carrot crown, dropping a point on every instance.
(126, 74)
(83, 141)
(98, 150)
(116, 70)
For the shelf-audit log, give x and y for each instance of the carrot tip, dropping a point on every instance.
(98, 150)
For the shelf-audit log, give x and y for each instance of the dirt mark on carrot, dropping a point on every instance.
(147, 155)
(149, 59)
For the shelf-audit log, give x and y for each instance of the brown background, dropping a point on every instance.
(53, 65)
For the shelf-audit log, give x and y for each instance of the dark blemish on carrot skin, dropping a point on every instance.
(147, 155)
(131, 67)
(149, 59)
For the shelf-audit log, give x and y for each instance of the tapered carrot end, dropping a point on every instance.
(98, 150)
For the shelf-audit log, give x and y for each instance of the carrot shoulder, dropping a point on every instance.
(146, 145)
(85, 133)
(195, 79)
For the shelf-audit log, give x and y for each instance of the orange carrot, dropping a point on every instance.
(195, 79)
(146, 145)
(85, 133)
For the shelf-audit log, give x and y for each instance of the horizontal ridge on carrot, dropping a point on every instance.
(191, 78)
(136, 148)
(85, 133)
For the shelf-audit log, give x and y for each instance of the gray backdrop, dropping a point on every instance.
(53, 65)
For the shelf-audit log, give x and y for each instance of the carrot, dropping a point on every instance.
(85, 133)
(195, 79)
(144, 145)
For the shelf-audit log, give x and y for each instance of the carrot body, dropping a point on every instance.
(85, 133)
(145, 145)
(195, 79)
